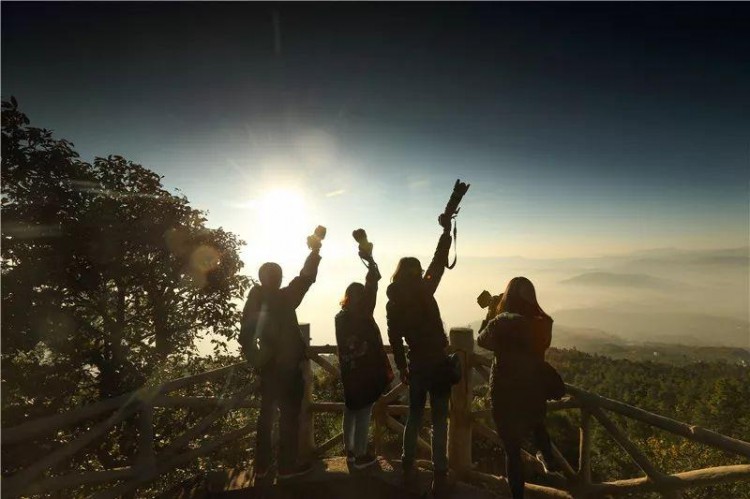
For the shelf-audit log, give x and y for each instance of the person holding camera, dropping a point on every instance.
(271, 341)
(521, 382)
(414, 317)
(365, 369)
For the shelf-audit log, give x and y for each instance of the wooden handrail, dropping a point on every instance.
(691, 432)
(675, 481)
(175, 461)
(50, 424)
(149, 465)
(16, 484)
(48, 485)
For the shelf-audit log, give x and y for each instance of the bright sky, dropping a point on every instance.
(584, 129)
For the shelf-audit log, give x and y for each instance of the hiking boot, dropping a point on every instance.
(548, 463)
(349, 457)
(362, 462)
(299, 470)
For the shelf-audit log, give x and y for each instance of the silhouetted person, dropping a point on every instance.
(413, 316)
(365, 371)
(519, 335)
(272, 341)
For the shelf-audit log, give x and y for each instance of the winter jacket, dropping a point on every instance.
(413, 316)
(517, 383)
(280, 343)
(365, 370)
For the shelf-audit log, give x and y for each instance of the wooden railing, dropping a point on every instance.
(464, 422)
(578, 480)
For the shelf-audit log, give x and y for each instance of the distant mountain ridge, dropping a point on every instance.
(598, 342)
(613, 279)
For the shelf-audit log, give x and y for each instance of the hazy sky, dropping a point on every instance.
(584, 129)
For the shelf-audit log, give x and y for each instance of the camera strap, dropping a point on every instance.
(455, 242)
(368, 266)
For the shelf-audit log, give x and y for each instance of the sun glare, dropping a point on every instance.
(282, 224)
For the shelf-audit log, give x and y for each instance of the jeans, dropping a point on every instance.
(419, 387)
(514, 463)
(357, 429)
(283, 390)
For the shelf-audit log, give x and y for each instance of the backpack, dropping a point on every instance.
(258, 330)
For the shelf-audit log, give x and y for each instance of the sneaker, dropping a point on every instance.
(548, 463)
(299, 470)
(349, 457)
(362, 462)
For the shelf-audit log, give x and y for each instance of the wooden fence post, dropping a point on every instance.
(459, 431)
(584, 447)
(306, 434)
(146, 455)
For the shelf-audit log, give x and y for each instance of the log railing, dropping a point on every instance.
(575, 481)
(139, 404)
(578, 481)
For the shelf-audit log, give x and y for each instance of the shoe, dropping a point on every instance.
(299, 470)
(362, 462)
(548, 463)
(349, 457)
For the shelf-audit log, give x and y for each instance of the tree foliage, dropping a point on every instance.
(105, 274)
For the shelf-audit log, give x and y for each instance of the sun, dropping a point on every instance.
(282, 224)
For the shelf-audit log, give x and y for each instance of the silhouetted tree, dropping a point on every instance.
(105, 274)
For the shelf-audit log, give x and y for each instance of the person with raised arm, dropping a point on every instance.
(365, 369)
(413, 317)
(273, 345)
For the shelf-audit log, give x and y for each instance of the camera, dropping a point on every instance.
(314, 242)
(486, 299)
(365, 246)
(452, 209)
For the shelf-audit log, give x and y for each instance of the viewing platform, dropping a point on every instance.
(330, 479)
(151, 458)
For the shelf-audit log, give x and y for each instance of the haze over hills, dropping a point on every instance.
(708, 305)
(695, 299)
(621, 280)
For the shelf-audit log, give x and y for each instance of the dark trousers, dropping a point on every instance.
(282, 390)
(513, 461)
(419, 386)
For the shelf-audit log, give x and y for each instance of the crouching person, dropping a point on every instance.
(272, 343)
(365, 370)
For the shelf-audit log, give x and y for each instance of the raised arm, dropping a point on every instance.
(490, 335)
(371, 284)
(439, 261)
(297, 288)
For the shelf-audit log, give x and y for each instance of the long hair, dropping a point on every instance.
(351, 289)
(408, 268)
(520, 298)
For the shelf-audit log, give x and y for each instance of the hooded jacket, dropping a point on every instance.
(414, 317)
(365, 370)
(280, 342)
(517, 382)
